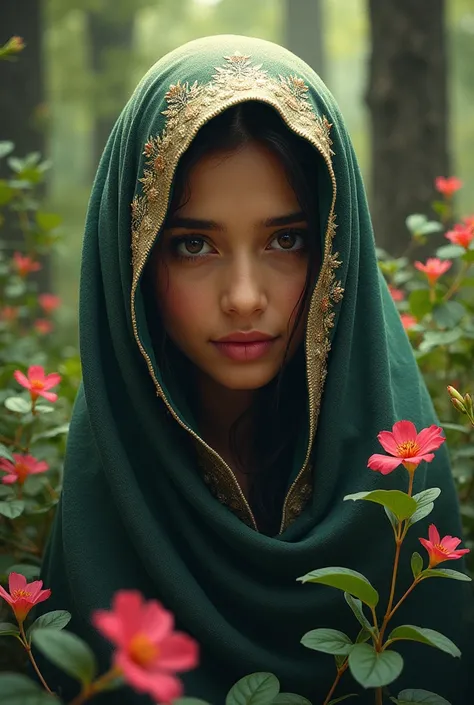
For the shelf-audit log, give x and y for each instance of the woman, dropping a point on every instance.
(240, 355)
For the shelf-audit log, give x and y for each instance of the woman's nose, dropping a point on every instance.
(243, 290)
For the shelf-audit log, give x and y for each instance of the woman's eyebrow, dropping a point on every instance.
(199, 224)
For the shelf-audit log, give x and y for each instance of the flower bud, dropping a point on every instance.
(468, 403)
(459, 406)
(454, 394)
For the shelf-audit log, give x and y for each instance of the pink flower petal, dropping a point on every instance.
(404, 431)
(109, 625)
(34, 588)
(5, 595)
(383, 463)
(460, 552)
(16, 581)
(38, 467)
(52, 380)
(450, 543)
(178, 652)
(9, 479)
(433, 534)
(156, 622)
(50, 396)
(6, 465)
(128, 606)
(21, 379)
(163, 687)
(429, 439)
(44, 595)
(417, 459)
(36, 372)
(387, 441)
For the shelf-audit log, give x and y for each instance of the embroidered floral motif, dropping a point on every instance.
(188, 108)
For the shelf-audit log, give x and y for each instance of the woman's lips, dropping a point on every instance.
(245, 351)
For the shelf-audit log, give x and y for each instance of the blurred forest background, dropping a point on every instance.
(84, 57)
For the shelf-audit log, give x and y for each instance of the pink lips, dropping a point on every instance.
(245, 346)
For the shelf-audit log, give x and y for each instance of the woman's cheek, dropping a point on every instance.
(183, 305)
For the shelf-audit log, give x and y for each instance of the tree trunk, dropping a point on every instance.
(303, 21)
(408, 104)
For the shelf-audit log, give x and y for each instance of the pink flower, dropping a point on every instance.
(23, 466)
(9, 313)
(440, 550)
(469, 221)
(397, 294)
(149, 652)
(407, 447)
(433, 268)
(43, 326)
(38, 383)
(49, 302)
(25, 265)
(408, 321)
(448, 186)
(23, 596)
(461, 235)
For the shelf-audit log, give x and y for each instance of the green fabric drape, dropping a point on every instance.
(135, 511)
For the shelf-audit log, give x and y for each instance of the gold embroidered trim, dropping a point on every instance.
(189, 107)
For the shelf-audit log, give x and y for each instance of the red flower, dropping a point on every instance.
(43, 326)
(49, 302)
(149, 652)
(408, 321)
(25, 265)
(407, 447)
(38, 383)
(433, 268)
(448, 186)
(23, 596)
(397, 294)
(461, 235)
(9, 313)
(469, 221)
(440, 550)
(23, 466)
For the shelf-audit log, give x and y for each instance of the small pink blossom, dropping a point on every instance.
(461, 235)
(407, 447)
(149, 653)
(38, 383)
(9, 313)
(23, 466)
(43, 326)
(440, 550)
(49, 302)
(25, 265)
(397, 294)
(23, 596)
(408, 321)
(447, 186)
(433, 268)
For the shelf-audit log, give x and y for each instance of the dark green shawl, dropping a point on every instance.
(135, 510)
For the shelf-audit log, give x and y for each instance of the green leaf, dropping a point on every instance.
(416, 564)
(356, 607)
(427, 496)
(374, 670)
(7, 492)
(421, 513)
(345, 579)
(329, 641)
(52, 432)
(6, 147)
(435, 338)
(255, 689)
(449, 314)
(18, 405)
(48, 221)
(5, 453)
(415, 221)
(420, 304)
(44, 408)
(343, 697)
(8, 629)
(392, 518)
(445, 573)
(31, 572)
(431, 226)
(290, 699)
(426, 636)
(419, 697)
(468, 257)
(401, 504)
(450, 252)
(340, 660)
(12, 509)
(67, 651)
(17, 689)
(57, 619)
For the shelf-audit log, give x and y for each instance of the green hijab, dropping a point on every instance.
(138, 511)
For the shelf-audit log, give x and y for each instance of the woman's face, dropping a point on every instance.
(231, 268)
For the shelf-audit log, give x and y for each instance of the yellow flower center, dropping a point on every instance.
(37, 384)
(441, 548)
(18, 594)
(408, 449)
(22, 472)
(142, 650)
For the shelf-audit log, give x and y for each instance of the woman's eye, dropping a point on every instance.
(289, 240)
(191, 246)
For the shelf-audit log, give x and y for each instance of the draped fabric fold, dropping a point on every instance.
(135, 510)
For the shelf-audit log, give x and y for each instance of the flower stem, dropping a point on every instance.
(25, 643)
(386, 618)
(378, 697)
(90, 689)
(402, 599)
(340, 672)
(457, 282)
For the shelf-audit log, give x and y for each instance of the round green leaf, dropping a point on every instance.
(290, 699)
(17, 689)
(8, 629)
(416, 564)
(6, 147)
(420, 303)
(343, 697)
(450, 251)
(415, 221)
(446, 573)
(356, 607)
(189, 701)
(448, 314)
(254, 689)
(31, 572)
(12, 509)
(426, 636)
(67, 651)
(57, 619)
(399, 503)
(344, 579)
(427, 496)
(431, 226)
(18, 405)
(419, 697)
(421, 513)
(5, 453)
(44, 409)
(372, 669)
(329, 641)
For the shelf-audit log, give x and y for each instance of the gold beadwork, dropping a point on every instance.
(189, 107)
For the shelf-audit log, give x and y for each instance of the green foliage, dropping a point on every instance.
(346, 580)
(67, 651)
(399, 503)
(374, 669)
(254, 689)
